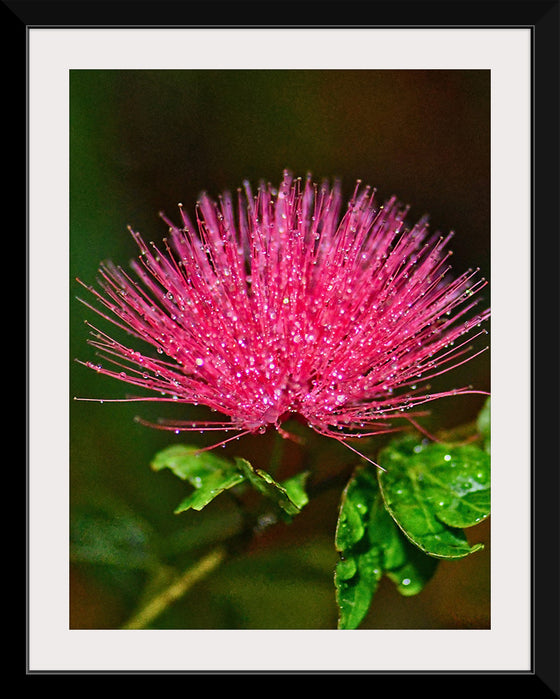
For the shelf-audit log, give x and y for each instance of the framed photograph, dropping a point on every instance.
(262, 260)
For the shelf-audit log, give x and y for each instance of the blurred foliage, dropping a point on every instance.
(143, 141)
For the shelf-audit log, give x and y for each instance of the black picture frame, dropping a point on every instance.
(543, 20)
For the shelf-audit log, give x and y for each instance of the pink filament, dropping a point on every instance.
(282, 305)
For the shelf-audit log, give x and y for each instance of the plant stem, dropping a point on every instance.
(177, 589)
(277, 453)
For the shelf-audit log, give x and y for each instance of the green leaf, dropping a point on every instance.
(433, 491)
(295, 488)
(483, 425)
(290, 497)
(210, 487)
(189, 463)
(356, 581)
(209, 474)
(357, 498)
(370, 544)
(418, 568)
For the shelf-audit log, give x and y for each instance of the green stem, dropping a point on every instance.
(177, 589)
(277, 453)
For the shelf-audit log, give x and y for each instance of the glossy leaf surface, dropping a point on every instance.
(210, 475)
(435, 490)
(370, 545)
(210, 487)
(189, 463)
(289, 499)
(359, 568)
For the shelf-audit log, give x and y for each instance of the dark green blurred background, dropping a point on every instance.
(143, 141)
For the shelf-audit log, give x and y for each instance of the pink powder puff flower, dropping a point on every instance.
(283, 306)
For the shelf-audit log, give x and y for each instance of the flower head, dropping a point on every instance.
(286, 305)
